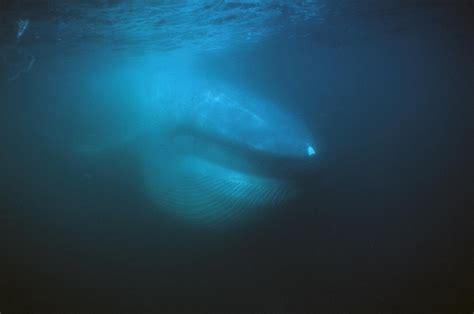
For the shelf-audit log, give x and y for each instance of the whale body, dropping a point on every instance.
(211, 153)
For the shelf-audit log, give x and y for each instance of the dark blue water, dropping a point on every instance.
(384, 225)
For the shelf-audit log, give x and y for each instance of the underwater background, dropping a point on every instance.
(385, 223)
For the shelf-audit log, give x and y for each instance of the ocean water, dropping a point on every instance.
(383, 224)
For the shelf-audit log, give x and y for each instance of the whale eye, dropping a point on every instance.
(310, 150)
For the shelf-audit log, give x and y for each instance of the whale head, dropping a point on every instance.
(223, 155)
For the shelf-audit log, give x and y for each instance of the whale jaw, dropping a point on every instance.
(203, 192)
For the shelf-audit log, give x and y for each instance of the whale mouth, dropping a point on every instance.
(208, 179)
(242, 157)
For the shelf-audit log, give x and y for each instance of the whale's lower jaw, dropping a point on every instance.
(203, 192)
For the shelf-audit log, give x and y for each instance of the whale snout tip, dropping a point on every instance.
(310, 150)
